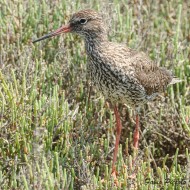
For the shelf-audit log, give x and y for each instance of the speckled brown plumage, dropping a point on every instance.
(118, 72)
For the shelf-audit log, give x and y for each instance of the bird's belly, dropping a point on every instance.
(116, 91)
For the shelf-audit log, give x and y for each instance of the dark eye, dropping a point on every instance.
(83, 21)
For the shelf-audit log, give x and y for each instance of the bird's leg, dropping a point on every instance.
(136, 145)
(89, 92)
(136, 133)
(118, 134)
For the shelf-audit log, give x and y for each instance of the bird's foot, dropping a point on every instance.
(132, 176)
(114, 176)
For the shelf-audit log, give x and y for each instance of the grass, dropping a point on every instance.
(52, 136)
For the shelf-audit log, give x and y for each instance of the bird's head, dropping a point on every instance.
(87, 23)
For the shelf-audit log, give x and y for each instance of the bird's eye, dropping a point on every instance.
(83, 21)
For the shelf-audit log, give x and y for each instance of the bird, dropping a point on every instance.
(121, 74)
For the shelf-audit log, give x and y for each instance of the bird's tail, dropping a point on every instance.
(175, 80)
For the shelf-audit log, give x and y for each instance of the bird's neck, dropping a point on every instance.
(93, 45)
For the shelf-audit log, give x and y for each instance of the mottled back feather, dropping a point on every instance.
(153, 78)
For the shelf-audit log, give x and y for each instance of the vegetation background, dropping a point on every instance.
(53, 135)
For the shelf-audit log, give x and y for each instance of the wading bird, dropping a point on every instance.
(121, 74)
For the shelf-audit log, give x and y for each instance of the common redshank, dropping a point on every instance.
(121, 74)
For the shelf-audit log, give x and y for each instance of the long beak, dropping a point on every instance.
(63, 29)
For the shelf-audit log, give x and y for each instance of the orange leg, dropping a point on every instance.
(118, 134)
(136, 133)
